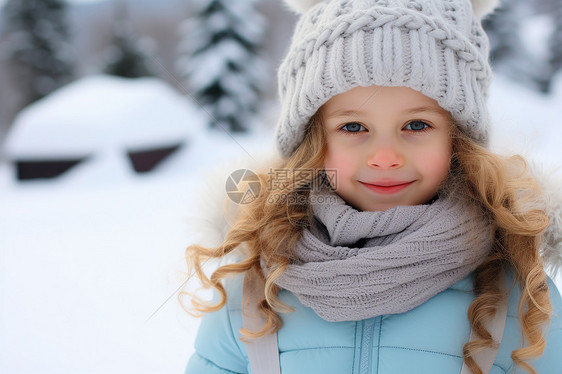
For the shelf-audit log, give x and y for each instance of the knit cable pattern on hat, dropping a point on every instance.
(435, 47)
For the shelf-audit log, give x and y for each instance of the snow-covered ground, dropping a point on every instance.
(86, 260)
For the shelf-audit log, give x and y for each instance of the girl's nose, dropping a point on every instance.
(386, 157)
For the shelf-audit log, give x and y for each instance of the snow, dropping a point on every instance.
(77, 288)
(86, 259)
(534, 31)
(525, 122)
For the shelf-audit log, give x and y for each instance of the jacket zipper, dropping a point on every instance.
(366, 351)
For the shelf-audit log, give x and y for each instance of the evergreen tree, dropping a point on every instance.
(503, 28)
(555, 42)
(527, 63)
(126, 56)
(219, 60)
(37, 46)
(510, 54)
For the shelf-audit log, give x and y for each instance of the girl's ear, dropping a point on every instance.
(301, 6)
(482, 8)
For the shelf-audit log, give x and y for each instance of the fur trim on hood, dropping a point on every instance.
(214, 211)
(551, 247)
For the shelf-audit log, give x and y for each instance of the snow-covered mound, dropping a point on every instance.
(99, 112)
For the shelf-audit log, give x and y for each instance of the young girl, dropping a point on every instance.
(395, 241)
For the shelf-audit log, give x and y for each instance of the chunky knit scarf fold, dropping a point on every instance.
(351, 265)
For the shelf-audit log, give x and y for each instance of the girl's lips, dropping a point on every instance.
(387, 187)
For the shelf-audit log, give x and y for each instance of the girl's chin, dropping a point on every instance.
(376, 206)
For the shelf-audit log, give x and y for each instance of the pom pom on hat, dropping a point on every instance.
(481, 8)
(301, 6)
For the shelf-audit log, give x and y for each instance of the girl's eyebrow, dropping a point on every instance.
(421, 109)
(344, 113)
(430, 109)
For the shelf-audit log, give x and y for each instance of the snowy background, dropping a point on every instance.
(90, 262)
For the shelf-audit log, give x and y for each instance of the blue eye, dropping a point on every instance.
(417, 126)
(353, 127)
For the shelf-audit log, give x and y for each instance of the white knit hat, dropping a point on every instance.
(436, 47)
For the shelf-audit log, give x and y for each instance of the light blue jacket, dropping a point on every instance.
(427, 339)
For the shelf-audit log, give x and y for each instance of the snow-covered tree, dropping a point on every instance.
(556, 39)
(127, 56)
(526, 41)
(37, 46)
(219, 63)
(507, 50)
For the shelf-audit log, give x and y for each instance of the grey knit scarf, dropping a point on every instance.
(351, 265)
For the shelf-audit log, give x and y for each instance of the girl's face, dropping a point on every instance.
(390, 146)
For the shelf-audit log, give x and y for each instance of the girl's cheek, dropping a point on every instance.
(343, 166)
(438, 164)
(336, 159)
